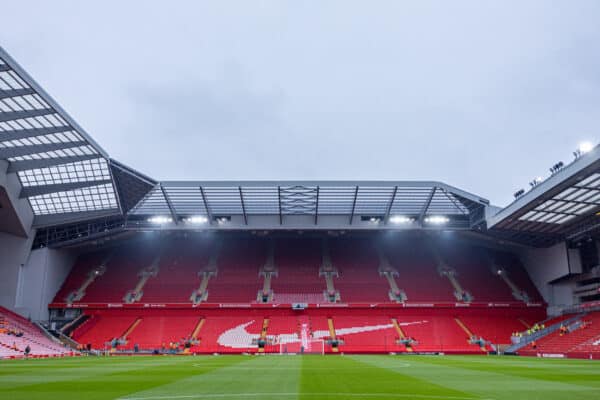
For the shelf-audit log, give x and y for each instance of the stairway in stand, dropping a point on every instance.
(334, 349)
(263, 334)
(131, 328)
(401, 334)
(197, 328)
(469, 333)
(525, 324)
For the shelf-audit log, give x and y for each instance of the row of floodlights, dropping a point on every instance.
(583, 148)
(395, 219)
(400, 219)
(161, 220)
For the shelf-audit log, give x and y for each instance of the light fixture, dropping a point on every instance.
(557, 167)
(519, 193)
(160, 220)
(536, 181)
(197, 219)
(400, 219)
(437, 219)
(585, 147)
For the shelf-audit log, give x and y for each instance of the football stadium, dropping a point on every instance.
(116, 285)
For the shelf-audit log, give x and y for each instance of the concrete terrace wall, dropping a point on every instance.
(14, 252)
(546, 265)
(43, 274)
(28, 280)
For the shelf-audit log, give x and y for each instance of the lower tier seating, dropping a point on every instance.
(158, 332)
(17, 333)
(582, 338)
(356, 330)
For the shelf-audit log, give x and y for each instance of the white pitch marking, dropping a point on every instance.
(402, 365)
(375, 395)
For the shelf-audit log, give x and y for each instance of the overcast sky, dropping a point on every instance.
(481, 95)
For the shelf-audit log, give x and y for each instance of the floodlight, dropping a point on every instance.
(197, 219)
(556, 167)
(437, 219)
(160, 220)
(536, 181)
(400, 219)
(519, 193)
(585, 147)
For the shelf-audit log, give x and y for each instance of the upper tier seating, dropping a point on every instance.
(178, 271)
(518, 274)
(417, 272)
(237, 279)
(121, 274)
(357, 264)
(79, 274)
(475, 274)
(16, 333)
(297, 261)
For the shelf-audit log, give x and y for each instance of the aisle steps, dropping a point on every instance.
(401, 334)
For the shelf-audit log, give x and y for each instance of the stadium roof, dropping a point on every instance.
(564, 206)
(73, 185)
(319, 204)
(61, 168)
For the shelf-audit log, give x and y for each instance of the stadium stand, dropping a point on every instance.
(418, 274)
(357, 264)
(121, 276)
(297, 263)
(17, 333)
(237, 279)
(228, 271)
(178, 274)
(581, 339)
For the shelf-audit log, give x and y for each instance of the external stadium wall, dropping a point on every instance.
(16, 236)
(42, 276)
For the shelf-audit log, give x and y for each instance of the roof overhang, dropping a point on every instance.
(65, 175)
(558, 208)
(275, 205)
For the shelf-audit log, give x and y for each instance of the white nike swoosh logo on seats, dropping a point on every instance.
(239, 338)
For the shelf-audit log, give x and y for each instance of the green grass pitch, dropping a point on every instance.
(310, 377)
